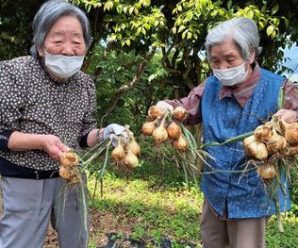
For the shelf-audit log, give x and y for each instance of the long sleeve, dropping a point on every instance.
(290, 96)
(191, 104)
(12, 100)
(89, 120)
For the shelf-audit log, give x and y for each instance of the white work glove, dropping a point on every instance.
(164, 106)
(113, 132)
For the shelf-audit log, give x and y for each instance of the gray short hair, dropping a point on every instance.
(242, 30)
(49, 13)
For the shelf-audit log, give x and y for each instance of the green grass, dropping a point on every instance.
(289, 238)
(153, 207)
(153, 202)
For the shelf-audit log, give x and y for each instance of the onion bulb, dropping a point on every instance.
(263, 132)
(65, 173)
(267, 171)
(155, 112)
(290, 132)
(118, 153)
(69, 159)
(290, 151)
(160, 134)
(254, 148)
(179, 113)
(148, 128)
(134, 147)
(276, 143)
(180, 144)
(130, 161)
(174, 131)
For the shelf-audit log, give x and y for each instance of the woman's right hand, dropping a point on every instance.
(164, 106)
(53, 146)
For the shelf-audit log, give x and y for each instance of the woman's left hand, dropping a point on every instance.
(287, 115)
(113, 131)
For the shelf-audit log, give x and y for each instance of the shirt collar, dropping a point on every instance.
(243, 91)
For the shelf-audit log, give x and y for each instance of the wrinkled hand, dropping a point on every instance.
(164, 106)
(54, 147)
(287, 115)
(113, 131)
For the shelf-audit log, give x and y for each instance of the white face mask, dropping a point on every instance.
(231, 76)
(63, 66)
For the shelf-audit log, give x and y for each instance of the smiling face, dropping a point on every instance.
(65, 38)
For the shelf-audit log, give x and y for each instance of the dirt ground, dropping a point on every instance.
(103, 230)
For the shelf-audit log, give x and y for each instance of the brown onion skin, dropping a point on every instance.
(65, 173)
(179, 113)
(69, 159)
(134, 148)
(290, 151)
(263, 132)
(130, 161)
(276, 143)
(160, 135)
(181, 144)
(148, 128)
(267, 171)
(255, 149)
(118, 153)
(174, 131)
(290, 132)
(155, 112)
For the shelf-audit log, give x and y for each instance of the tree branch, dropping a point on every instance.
(165, 62)
(128, 86)
(174, 58)
(188, 68)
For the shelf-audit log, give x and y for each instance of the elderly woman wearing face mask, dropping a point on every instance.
(235, 100)
(47, 106)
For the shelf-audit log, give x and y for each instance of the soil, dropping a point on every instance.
(108, 231)
(104, 230)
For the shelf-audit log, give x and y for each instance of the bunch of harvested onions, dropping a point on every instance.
(273, 149)
(68, 170)
(163, 126)
(166, 128)
(273, 140)
(96, 159)
(126, 152)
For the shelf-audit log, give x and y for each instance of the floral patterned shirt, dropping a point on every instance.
(33, 102)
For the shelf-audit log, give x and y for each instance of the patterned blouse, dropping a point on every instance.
(33, 102)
